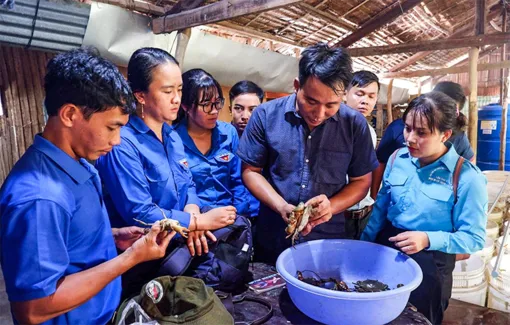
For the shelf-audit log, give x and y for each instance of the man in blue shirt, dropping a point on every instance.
(306, 144)
(245, 96)
(59, 256)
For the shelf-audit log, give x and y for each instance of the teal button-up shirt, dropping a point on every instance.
(421, 199)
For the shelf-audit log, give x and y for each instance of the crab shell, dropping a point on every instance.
(298, 220)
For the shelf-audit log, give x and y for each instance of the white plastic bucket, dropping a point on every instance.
(492, 229)
(476, 295)
(499, 241)
(469, 273)
(488, 251)
(498, 300)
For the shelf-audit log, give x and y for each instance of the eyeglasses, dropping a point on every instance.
(208, 107)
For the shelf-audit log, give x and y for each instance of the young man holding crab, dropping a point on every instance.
(59, 256)
(306, 144)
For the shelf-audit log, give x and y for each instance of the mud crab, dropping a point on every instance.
(297, 221)
(370, 286)
(167, 225)
(330, 283)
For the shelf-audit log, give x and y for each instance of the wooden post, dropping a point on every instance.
(380, 121)
(182, 42)
(473, 98)
(419, 88)
(502, 133)
(389, 112)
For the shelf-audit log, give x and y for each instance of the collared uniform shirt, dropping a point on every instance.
(54, 224)
(143, 174)
(393, 139)
(300, 164)
(217, 174)
(421, 199)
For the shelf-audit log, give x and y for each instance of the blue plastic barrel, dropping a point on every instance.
(489, 126)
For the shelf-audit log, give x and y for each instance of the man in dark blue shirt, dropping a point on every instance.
(58, 250)
(301, 147)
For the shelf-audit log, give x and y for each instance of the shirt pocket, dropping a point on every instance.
(157, 175)
(331, 167)
(436, 197)
(397, 183)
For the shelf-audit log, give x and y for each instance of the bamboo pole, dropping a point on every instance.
(389, 112)
(502, 133)
(473, 98)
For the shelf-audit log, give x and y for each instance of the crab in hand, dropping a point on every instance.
(298, 219)
(167, 225)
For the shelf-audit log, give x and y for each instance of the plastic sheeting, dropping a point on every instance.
(117, 33)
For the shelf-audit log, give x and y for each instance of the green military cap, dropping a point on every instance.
(182, 300)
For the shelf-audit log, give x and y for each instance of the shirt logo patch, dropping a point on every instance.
(226, 157)
(184, 162)
(154, 290)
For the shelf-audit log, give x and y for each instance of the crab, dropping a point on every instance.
(167, 225)
(330, 283)
(297, 221)
(370, 286)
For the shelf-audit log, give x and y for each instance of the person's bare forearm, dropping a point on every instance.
(377, 176)
(262, 190)
(74, 290)
(351, 194)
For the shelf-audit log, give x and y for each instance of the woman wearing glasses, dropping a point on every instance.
(147, 177)
(210, 144)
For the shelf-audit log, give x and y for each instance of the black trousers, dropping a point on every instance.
(432, 296)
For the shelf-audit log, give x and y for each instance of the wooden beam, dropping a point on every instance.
(184, 5)
(502, 133)
(473, 98)
(384, 17)
(389, 112)
(379, 127)
(480, 17)
(444, 71)
(215, 12)
(433, 45)
(410, 61)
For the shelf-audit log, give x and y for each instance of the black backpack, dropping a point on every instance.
(225, 267)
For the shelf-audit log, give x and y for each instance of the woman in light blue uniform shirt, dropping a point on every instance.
(416, 210)
(210, 144)
(147, 177)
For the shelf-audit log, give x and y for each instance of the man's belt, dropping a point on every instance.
(358, 214)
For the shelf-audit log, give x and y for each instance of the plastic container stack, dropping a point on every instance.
(488, 251)
(469, 282)
(499, 288)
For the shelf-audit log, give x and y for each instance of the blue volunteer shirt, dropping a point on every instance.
(217, 174)
(143, 174)
(53, 224)
(393, 139)
(300, 164)
(451, 228)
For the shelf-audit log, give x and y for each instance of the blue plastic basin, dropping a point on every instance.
(350, 260)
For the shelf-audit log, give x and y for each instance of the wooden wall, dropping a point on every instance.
(21, 90)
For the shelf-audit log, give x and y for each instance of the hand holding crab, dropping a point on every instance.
(320, 213)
